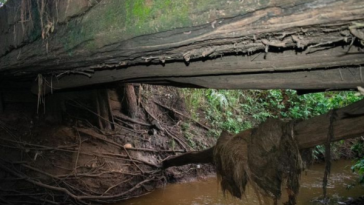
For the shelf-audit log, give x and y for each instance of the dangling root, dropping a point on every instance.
(40, 91)
(264, 158)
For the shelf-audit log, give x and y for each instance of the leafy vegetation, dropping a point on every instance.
(237, 110)
(359, 167)
(2, 2)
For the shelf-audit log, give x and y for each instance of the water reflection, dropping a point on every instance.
(207, 192)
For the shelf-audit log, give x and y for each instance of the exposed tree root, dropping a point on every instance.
(175, 111)
(83, 164)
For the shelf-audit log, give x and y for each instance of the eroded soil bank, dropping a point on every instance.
(74, 153)
(85, 146)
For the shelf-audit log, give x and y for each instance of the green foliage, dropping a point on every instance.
(319, 150)
(320, 103)
(185, 126)
(188, 134)
(358, 149)
(190, 140)
(359, 168)
(237, 110)
(2, 2)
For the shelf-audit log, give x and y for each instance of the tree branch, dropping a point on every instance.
(308, 133)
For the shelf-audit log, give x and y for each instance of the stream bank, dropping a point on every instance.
(207, 191)
(62, 155)
(72, 155)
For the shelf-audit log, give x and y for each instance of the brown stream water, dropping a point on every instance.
(207, 191)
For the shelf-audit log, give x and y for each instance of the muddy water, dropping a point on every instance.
(207, 191)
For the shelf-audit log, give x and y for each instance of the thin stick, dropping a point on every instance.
(177, 112)
(41, 184)
(177, 139)
(98, 175)
(110, 111)
(78, 152)
(351, 44)
(341, 74)
(79, 105)
(140, 169)
(104, 155)
(118, 184)
(166, 131)
(124, 117)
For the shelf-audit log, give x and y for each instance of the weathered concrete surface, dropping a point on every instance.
(170, 42)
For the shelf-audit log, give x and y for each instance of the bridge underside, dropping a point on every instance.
(309, 45)
(55, 45)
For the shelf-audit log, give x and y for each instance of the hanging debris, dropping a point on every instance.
(265, 158)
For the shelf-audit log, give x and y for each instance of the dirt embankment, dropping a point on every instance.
(61, 157)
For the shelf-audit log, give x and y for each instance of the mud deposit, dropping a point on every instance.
(208, 191)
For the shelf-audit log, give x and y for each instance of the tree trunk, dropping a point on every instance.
(348, 123)
(188, 44)
(104, 117)
(129, 101)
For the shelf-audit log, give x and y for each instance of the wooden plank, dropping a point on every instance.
(278, 70)
(349, 123)
(340, 78)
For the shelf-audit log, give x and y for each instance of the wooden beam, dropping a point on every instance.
(339, 78)
(87, 38)
(276, 70)
(348, 123)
